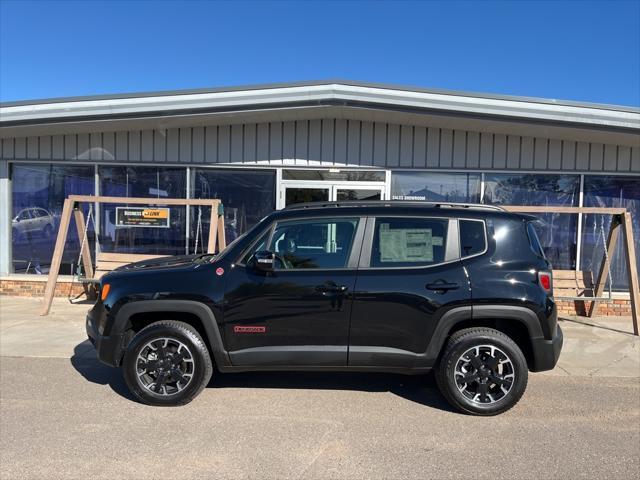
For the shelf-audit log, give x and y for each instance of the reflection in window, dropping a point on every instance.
(247, 197)
(147, 182)
(313, 243)
(436, 187)
(601, 191)
(38, 193)
(557, 232)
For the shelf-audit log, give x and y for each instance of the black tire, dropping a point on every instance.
(458, 346)
(176, 332)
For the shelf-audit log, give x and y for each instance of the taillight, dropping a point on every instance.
(545, 280)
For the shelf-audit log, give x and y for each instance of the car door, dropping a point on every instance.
(24, 221)
(409, 276)
(38, 221)
(298, 314)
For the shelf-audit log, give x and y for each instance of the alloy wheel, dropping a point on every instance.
(484, 374)
(165, 366)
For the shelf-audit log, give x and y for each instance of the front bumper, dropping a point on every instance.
(546, 352)
(109, 347)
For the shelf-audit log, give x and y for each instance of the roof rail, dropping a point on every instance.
(392, 203)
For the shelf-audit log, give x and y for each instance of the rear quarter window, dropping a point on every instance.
(534, 241)
(472, 237)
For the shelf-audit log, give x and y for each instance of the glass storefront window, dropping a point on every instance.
(600, 191)
(38, 193)
(147, 182)
(557, 232)
(247, 197)
(335, 175)
(436, 187)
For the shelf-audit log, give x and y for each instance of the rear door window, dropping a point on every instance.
(409, 242)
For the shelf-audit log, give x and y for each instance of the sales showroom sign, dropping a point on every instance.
(142, 217)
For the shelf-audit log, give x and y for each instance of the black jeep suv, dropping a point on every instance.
(361, 286)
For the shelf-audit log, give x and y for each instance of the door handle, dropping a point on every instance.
(441, 286)
(331, 288)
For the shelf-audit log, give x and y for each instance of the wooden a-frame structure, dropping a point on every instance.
(621, 221)
(71, 206)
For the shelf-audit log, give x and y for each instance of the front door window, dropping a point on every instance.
(318, 244)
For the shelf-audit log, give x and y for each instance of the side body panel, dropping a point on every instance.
(395, 315)
(300, 320)
(506, 277)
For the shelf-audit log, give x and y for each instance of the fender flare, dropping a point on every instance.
(199, 309)
(456, 315)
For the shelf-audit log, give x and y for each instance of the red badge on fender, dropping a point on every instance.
(219, 271)
(249, 329)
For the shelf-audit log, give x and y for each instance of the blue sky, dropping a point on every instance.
(586, 51)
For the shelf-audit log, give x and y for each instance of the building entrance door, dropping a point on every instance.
(302, 185)
(302, 192)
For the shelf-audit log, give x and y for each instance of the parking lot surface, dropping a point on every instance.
(65, 415)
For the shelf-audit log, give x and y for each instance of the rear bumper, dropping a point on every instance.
(108, 347)
(546, 352)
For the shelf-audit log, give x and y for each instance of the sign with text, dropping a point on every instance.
(142, 217)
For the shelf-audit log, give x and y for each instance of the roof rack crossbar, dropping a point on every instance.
(389, 203)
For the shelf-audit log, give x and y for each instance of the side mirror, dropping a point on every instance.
(263, 260)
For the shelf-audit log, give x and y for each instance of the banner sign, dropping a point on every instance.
(142, 217)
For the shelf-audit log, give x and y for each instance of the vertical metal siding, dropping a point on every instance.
(340, 153)
(329, 142)
(407, 145)
(288, 143)
(393, 146)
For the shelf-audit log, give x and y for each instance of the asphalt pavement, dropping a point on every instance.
(64, 415)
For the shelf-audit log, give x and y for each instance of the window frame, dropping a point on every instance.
(486, 237)
(452, 245)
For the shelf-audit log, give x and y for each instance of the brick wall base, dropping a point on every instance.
(65, 288)
(619, 307)
(35, 288)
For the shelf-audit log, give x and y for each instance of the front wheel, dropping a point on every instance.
(166, 364)
(482, 371)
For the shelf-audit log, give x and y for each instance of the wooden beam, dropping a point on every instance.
(576, 210)
(632, 268)
(87, 264)
(222, 241)
(63, 229)
(603, 273)
(145, 201)
(213, 230)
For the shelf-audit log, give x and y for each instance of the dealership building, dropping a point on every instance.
(260, 148)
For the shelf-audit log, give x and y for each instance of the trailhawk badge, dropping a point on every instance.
(249, 329)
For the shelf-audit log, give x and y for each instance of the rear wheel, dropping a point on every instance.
(482, 371)
(167, 363)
